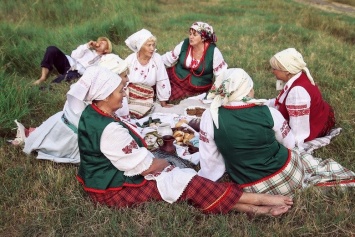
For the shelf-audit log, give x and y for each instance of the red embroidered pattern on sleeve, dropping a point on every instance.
(173, 55)
(297, 110)
(203, 137)
(128, 148)
(285, 129)
(219, 66)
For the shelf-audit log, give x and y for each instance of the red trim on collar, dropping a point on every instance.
(102, 113)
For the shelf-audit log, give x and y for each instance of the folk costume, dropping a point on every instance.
(56, 139)
(253, 144)
(113, 155)
(145, 80)
(300, 101)
(73, 66)
(188, 75)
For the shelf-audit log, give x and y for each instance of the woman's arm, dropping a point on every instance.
(163, 87)
(283, 132)
(211, 160)
(219, 65)
(124, 153)
(169, 58)
(298, 104)
(79, 52)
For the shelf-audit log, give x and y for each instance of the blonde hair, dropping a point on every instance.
(109, 44)
(275, 64)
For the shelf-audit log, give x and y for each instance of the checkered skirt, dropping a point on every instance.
(303, 170)
(208, 196)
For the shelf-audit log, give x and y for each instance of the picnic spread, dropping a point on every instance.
(183, 117)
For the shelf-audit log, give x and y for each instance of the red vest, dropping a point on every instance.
(318, 112)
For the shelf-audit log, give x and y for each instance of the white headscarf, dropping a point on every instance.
(114, 63)
(136, 41)
(292, 60)
(97, 83)
(234, 84)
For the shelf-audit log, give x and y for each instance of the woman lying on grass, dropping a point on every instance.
(117, 170)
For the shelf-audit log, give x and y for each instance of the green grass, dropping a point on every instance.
(40, 198)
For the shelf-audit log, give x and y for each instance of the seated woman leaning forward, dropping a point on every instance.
(117, 170)
(300, 100)
(56, 138)
(147, 74)
(194, 62)
(252, 143)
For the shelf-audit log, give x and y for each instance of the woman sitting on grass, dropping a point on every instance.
(147, 74)
(72, 67)
(300, 101)
(194, 62)
(56, 139)
(252, 143)
(117, 170)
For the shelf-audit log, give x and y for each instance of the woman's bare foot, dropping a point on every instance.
(253, 210)
(39, 81)
(274, 211)
(262, 199)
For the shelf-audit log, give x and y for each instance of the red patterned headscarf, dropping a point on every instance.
(205, 30)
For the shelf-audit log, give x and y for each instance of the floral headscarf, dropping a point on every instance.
(234, 84)
(292, 61)
(205, 30)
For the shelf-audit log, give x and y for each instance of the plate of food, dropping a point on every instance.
(194, 111)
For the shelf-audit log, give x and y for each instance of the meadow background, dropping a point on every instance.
(40, 198)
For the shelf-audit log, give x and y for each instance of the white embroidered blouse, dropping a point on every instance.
(297, 97)
(153, 73)
(170, 58)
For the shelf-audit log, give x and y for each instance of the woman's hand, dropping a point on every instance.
(166, 105)
(158, 165)
(92, 44)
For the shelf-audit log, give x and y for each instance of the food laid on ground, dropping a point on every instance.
(195, 124)
(195, 111)
(150, 123)
(183, 135)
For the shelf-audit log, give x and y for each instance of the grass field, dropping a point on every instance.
(40, 198)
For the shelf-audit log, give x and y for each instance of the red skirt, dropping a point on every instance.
(329, 124)
(181, 89)
(209, 196)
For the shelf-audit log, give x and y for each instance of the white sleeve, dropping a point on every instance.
(123, 151)
(163, 87)
(283, 132)
(298, 104)
(270, 103)
(169, 58)
(211, 161)
(219, 65)
(80, 51)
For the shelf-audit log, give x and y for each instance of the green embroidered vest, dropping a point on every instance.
(248, 144)
(203, 75)
(95, 170)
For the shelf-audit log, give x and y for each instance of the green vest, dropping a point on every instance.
(248, 144)
(203, 75)
(96, 171)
